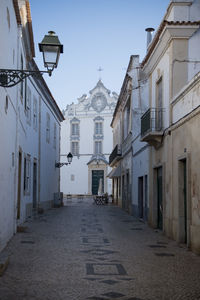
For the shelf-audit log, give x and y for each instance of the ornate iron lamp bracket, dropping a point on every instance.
(59, 164)
(10, 78)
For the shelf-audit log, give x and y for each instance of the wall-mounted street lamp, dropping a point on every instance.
(69, 159)
(51, 49)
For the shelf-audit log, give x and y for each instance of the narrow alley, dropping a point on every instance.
(87, 251)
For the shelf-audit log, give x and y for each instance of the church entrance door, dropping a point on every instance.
(96, 175)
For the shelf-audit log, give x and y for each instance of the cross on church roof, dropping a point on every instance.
(100, 70)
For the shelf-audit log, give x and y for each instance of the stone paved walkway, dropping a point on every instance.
(84, 251)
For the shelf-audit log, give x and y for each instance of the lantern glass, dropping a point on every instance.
(51, 56)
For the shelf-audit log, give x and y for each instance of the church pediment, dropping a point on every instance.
(99, 86)
(99, 100)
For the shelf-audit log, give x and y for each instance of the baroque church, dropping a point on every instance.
(87, 134)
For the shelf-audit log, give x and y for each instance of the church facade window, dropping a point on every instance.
(75, 128)
(98, 128)
(75, 136)
(98, 147)
(75, 148)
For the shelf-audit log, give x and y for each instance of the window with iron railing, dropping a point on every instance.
(152, 121)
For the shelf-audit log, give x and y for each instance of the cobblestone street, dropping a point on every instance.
(85, 251)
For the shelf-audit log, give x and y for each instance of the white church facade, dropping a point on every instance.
(87, 134)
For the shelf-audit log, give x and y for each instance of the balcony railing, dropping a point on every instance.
(115, 155)
(152, 126)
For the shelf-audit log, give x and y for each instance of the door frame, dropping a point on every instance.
(102, 172)
(141, 197)
(155, 196)
(35, 190)
(184, 221)
(19, 185)
(159, 198)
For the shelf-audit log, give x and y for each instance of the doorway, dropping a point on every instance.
(123, 192)
(96, 175)
(128, 197)
(19, 185)
(183, 213)
(146, 197)
(34, 185)
(140, 198)
(159, 198)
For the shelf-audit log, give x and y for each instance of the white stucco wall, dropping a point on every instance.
(8, 121)
(48, 156)
(140, 153)
(18, 134)
(193, 54)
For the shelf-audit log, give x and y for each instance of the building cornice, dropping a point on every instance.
(169, 25)
(186, 89)
(17, 12)
(124, 91)
(30, 28)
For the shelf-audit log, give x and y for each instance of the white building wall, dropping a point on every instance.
(193, 54)
(49, 155)
(8, 121)
(17, 133)
(140, 150)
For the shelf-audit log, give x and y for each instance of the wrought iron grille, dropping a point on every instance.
(115, 153)
(152, 121)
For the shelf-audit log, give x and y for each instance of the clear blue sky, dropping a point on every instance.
(94, 33)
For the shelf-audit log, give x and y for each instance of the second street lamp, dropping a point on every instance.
(69, 160)
(51, 49)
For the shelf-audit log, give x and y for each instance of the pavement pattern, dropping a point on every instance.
(98, 252)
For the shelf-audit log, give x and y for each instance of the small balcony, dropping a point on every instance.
(115, 155)
(152, 126)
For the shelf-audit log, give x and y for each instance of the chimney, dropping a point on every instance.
(149, 31)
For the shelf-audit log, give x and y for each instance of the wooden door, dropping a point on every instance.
(34, 185)
(96, 175)
(159, 199)
(19, 185)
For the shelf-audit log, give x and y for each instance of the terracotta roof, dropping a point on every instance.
(30, 29)
(158, 33)
(17, 13)
(182, 22)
